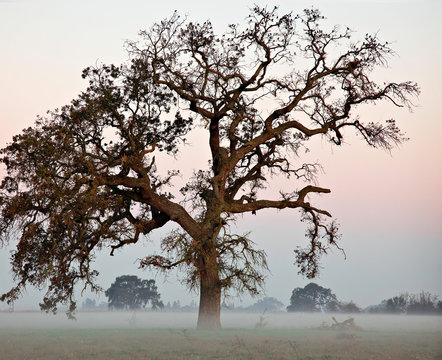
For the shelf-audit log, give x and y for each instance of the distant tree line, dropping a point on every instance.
(92, 305)
(422, 303)
(315, 298)
(176, 306)
(128, 292)
(267, 304)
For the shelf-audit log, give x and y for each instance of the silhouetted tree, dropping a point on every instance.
(129, 292)
(311, 298)
(88, 176)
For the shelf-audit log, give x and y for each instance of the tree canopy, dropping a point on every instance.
(87, 176)
(129, 292)
(312, 298)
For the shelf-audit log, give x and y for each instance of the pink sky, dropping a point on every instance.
(388, 205)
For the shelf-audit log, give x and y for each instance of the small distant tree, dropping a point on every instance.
(267, 304)
(129, 292)
(176, 305)
(89, 304)
(311, 298)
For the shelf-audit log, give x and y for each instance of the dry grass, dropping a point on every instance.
(224, 344)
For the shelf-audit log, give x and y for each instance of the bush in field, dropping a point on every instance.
(129, 292)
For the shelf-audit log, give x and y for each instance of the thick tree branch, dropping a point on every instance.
(255, 205)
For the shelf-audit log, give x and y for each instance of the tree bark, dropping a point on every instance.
(210, 292)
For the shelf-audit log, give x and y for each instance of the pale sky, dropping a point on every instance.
(388, 205)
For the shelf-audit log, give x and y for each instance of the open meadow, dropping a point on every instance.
(156, 335)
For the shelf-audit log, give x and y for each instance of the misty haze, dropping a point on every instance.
(172, 335)
(187, 320)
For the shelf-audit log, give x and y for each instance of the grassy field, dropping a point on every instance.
(223, 344)
(231, 343)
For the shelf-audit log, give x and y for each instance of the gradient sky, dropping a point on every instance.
(388, 204)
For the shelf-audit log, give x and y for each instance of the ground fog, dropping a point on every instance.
(160, 335)
(187, 320)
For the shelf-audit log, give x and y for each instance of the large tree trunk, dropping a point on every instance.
(210, 292)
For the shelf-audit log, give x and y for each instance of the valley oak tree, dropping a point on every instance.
(129, 292)
(88, 176)
(312, 298)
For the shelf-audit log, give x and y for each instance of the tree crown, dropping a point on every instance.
(129, 292)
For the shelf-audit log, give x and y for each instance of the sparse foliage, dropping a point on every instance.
(87, 177)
